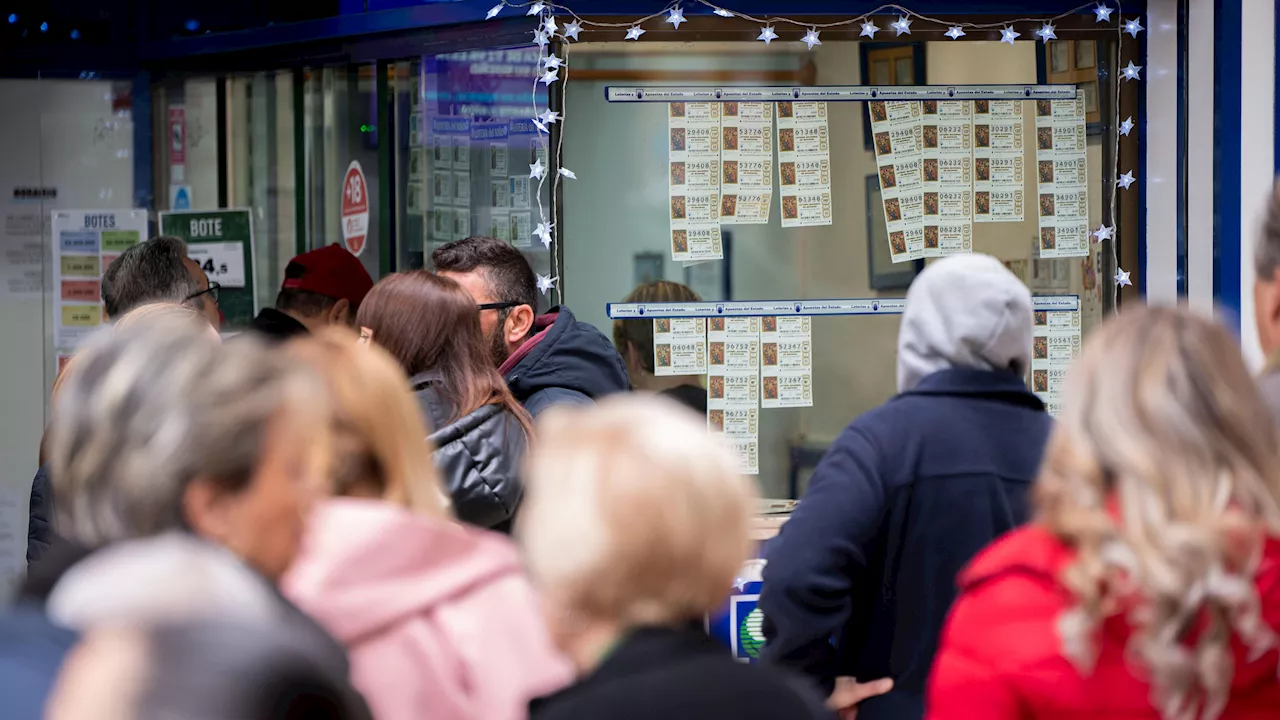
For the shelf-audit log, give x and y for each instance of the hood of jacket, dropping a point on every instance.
(964, 311)
(567, 354)
(479, 456)
(367, 565)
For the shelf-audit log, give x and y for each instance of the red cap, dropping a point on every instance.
(333, 272)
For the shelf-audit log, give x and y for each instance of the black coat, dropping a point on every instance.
(900, 503)
(40, 516)
(479, 457)
(275, 325)
(670, 674)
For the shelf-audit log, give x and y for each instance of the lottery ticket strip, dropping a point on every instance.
(759, 354)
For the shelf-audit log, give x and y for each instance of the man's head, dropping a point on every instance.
(324, 287)
(1266, 284)
(150, 272)
(500, 280)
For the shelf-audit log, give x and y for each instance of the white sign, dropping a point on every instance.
(222, 262)
(355, 208)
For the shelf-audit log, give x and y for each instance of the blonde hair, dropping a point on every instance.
(380, 435)
(1163, 475)
(633, 513)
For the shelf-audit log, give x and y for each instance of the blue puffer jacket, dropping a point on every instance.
(566, 362)
(31, 653)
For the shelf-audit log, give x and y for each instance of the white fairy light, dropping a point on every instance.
(635, 32)
(536, 9)
(869, 29)
(493, 12)
(1126, 180)
(545, 283)
(811, 38)
(722, 12)
(537, 171)
(1008, 34)
(676, 17)
(549, 77)
(1133, 27)
(1102, 13)
(1122, 278)
(550, 25)
(566, 172)
(955, 32)
(549, 117)
(1046, 32)
(1126, 126)
(1131, 71)
(767, 34)
(572, 29)
(901, 26)
(1103, 232)
(551, 62)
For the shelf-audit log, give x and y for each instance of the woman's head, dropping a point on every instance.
(634, 515)
(160, 427)
(430, 324)
(379, 435)
(1163, 473)
(634, 338)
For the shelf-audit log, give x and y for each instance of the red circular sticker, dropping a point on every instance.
(355, 208)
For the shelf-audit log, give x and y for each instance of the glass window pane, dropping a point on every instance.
(1059, 56)
(904, 71)
(881, 72)
(1086, 54)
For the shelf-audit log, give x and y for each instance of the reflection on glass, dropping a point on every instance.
(881, 74)
(1059, 57)
(905, 74)
(1090, 90)
(1086, 54)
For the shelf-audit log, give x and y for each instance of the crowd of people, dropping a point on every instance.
(420, 498)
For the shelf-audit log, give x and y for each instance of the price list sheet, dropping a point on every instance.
(898, 135)
(84, 244)
(694, 164)
(998, 161)
(1062, 178)
(733, 386)
(746, 163)
(804, 163)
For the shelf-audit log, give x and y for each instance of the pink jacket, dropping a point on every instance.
(438, 619)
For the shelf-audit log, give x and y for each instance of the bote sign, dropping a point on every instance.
(355, 208)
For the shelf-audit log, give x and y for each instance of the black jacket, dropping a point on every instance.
(276, 325)
(566, 362)
(681, 675)
(900, 503)
(39, 515)
(479, 457)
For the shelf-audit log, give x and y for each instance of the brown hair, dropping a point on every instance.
(428, 322)
(639, 333)
(379, 432)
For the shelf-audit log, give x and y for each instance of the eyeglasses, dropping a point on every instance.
(212, 291)
(497, 306)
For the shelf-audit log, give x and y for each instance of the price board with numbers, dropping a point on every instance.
(221, 242)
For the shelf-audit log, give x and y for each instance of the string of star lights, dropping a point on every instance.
(552, 68)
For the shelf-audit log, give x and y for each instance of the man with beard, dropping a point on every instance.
(547, 360)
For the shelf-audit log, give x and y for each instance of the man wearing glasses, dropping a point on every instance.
(155, 271)
(547, 360)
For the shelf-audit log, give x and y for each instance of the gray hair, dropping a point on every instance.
(149, 272)
(149, 408)
(1266, 254)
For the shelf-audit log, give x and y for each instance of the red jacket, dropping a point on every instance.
(1000, 656)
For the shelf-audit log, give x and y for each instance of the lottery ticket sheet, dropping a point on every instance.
(524, 148)
(1062, 178)
(998, 161)
(898, 139)
(694, 165)
(786, 362)
(746, 163)
(804, 163)
(680, 346)
(947, 170)
(733, 386)
(1056, 343)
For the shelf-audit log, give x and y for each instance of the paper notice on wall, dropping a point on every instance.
(1055, 344)
(898, 134)
(524, 148)
(733, 386)
(998, 161)
(450, 179)
(746, 150)
(680, 346)
(694, 164)
(84, 244)
(947, 135)
(1062, 178)
(786, 362)
(21, 253)
(804, 163)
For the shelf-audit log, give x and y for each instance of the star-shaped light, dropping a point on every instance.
(722, 12)
(635, 32)
(955, 32)
(1133, 27)
(869, 29)
(1126, 180)
(552, 61)
(550, 25)
(811, 38)
(1008, 34)
(493, 12)
(537, 171)
(549, 77)
(1126, 126)
(536, 9)
(767, 34)
(1102, 13)
(566, 172)
(540, 38)
(1122, 278)
(572, 29)
(549, 117)
(1046, 32)
(1103, 233)
(545, 284)
(901, 26)
(543, 233)
(1130, 71)
(676, 17)
(542, 127)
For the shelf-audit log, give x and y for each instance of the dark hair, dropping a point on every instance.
(1266, 257)
(428, 322)
(219, 669)
(149, 272)
(302, 302)
(639, 333)
(506, 271)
